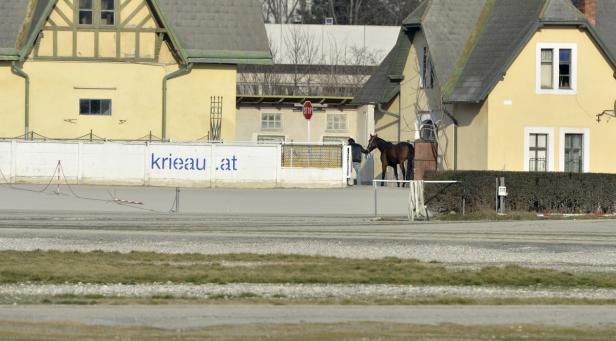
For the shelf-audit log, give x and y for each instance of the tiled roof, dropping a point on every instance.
(218, 29)
(473, 42)
(384, 84)
(12, 14)
(606, 23)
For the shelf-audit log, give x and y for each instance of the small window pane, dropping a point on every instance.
(532, 140)
(564, 69)
(107, 5)
(85, 4)
(542, 141)
(107, 18)
(565, 55)
(85, 17)
(84, 107)
(95, 107)
(547, 68)
(106, 107)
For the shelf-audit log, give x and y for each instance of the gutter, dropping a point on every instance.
(21, 73)
(184, 70)
(455, 137)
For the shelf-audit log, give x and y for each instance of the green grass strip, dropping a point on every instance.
(142, 267)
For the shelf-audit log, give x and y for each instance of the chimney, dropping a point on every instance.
(589, 8)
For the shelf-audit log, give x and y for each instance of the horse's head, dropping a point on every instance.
(372, 143)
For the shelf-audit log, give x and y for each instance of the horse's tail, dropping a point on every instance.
(410, 162)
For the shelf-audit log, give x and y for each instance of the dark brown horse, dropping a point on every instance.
(394, 156)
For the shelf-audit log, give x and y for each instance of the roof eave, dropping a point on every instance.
(9, 54)
(231, 61)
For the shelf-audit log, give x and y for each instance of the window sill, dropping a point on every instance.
(565, 92)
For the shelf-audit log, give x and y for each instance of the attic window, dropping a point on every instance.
(85, 12)
(556, 69)
(107, 12)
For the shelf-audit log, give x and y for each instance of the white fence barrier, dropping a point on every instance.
(158, 164)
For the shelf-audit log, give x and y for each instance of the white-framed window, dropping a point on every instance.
(270, 139)
(95, 107)
(426, 79)
(271, 121)
(574, 151)
(538, 149)
(337, 122)
(336, 139)
(556, 69)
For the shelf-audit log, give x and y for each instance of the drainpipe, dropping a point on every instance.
(184, 70)
(381, 109)
(21, 73)
(455, 138)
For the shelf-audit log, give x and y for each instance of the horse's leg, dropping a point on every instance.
(384, 166)
(403, 173)
(396, 173)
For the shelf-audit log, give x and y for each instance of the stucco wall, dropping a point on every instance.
(12, 102)
(472, 136)
(293, 124)
(515, 105)
(188, 113)
(136, 94)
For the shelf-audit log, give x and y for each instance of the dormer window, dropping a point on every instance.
(90, 9)
(556, 69)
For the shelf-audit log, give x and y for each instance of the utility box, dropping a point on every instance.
(425, 158)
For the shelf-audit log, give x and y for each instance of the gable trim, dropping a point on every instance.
(27, 48)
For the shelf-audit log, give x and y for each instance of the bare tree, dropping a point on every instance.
(280, 11)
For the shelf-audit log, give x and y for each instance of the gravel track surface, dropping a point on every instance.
(563, 245)
(294, 291)
(184, 317)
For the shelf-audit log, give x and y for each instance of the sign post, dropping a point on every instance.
(308, 109)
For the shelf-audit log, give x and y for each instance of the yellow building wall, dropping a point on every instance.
(472, 136)
(294, 127)
(514, 105)
(59, 79)
(415, 99)
(57, 87)
(12, 102)
(189, 102)
(136, 94)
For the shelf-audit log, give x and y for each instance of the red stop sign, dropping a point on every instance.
(308, 110)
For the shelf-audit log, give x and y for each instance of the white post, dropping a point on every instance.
(309, 135)
(146, 164)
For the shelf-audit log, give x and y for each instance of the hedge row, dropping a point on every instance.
(533, 192)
